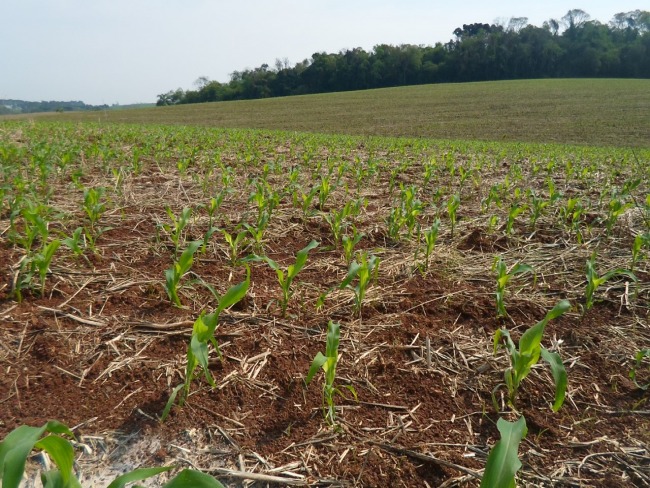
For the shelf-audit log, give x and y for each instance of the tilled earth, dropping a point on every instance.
(103, 349)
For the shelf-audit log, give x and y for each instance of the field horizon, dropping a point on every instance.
(595, 112)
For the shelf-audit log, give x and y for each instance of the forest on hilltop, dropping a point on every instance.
(571, 47)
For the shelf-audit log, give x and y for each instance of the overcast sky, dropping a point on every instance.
(129, 51)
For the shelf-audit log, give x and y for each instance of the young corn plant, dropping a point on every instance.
(42, 260)
(75, 242)
(286, 277)
(175, 230)
(18, 445)
(337, 219)
(452, 211)
(594, 280)
(202, 335)
(537, 208)
(504, 276)
(212, 208)
(328, 362)
(615, 209)
(179, 268)
(349, 242)
(503, 461)
(236, 242)
(35, 223)
(638, 362)
(522, 359)
(430, 238)
(364, 271)
(304, 200)
(93, 205)
(513, 213)
(411, 207)
(641, 241)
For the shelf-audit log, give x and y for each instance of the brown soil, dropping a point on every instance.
(104, 348)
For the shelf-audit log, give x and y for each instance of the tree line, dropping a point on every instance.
(570, 47)
(25, 107)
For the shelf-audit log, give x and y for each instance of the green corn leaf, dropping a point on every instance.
(61, 452)
(333, 338)
(559, 309)
(638, 358)
(353, 271)
(529, 348)
(205, 326)
(54, 479)
(50, 249)
(301, 258)
(187, 258)
(189, 478)
(234, 293)
(617, 272)
(520, 268)
(316, 364)
(503, 461)
(137, 475)
(272, 264)
(16, 447)
(199, 350)
(170, 402)
(559, 375)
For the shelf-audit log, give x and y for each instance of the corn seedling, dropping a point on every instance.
(304, 200)
(411, 207)
(202, 334)
(212, 207)
(638, 362)
(179, 268)
(328, 363)
(363, 271)
(463, 175)
(75, 241)
(394, 223)
(615, 209)
(537, 207)
(286, 277)
(452, 210)
(18, 445)
(235, 243)
(93, 205)
(34, 264)
(503, 278)
(324, 191)
(640, 241)
(349, 242)
(513, 213)
(528, 354)
(42, 261)
(430, 238)
(503, 461)
(257, 232)
(337, 219)
(35, 225)
(175, 230)
(594, 281)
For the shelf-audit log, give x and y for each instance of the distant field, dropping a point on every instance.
(591, 112)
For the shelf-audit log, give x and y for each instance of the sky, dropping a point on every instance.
(129, 51)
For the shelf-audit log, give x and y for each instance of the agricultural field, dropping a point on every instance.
(326, 310)
(600, 112)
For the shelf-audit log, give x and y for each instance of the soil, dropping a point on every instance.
(102, 350)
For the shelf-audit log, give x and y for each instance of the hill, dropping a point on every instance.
(601, 112)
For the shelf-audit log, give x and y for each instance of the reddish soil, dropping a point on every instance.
(104, 348)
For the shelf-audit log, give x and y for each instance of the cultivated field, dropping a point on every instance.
(591, 112)
(115, 239)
